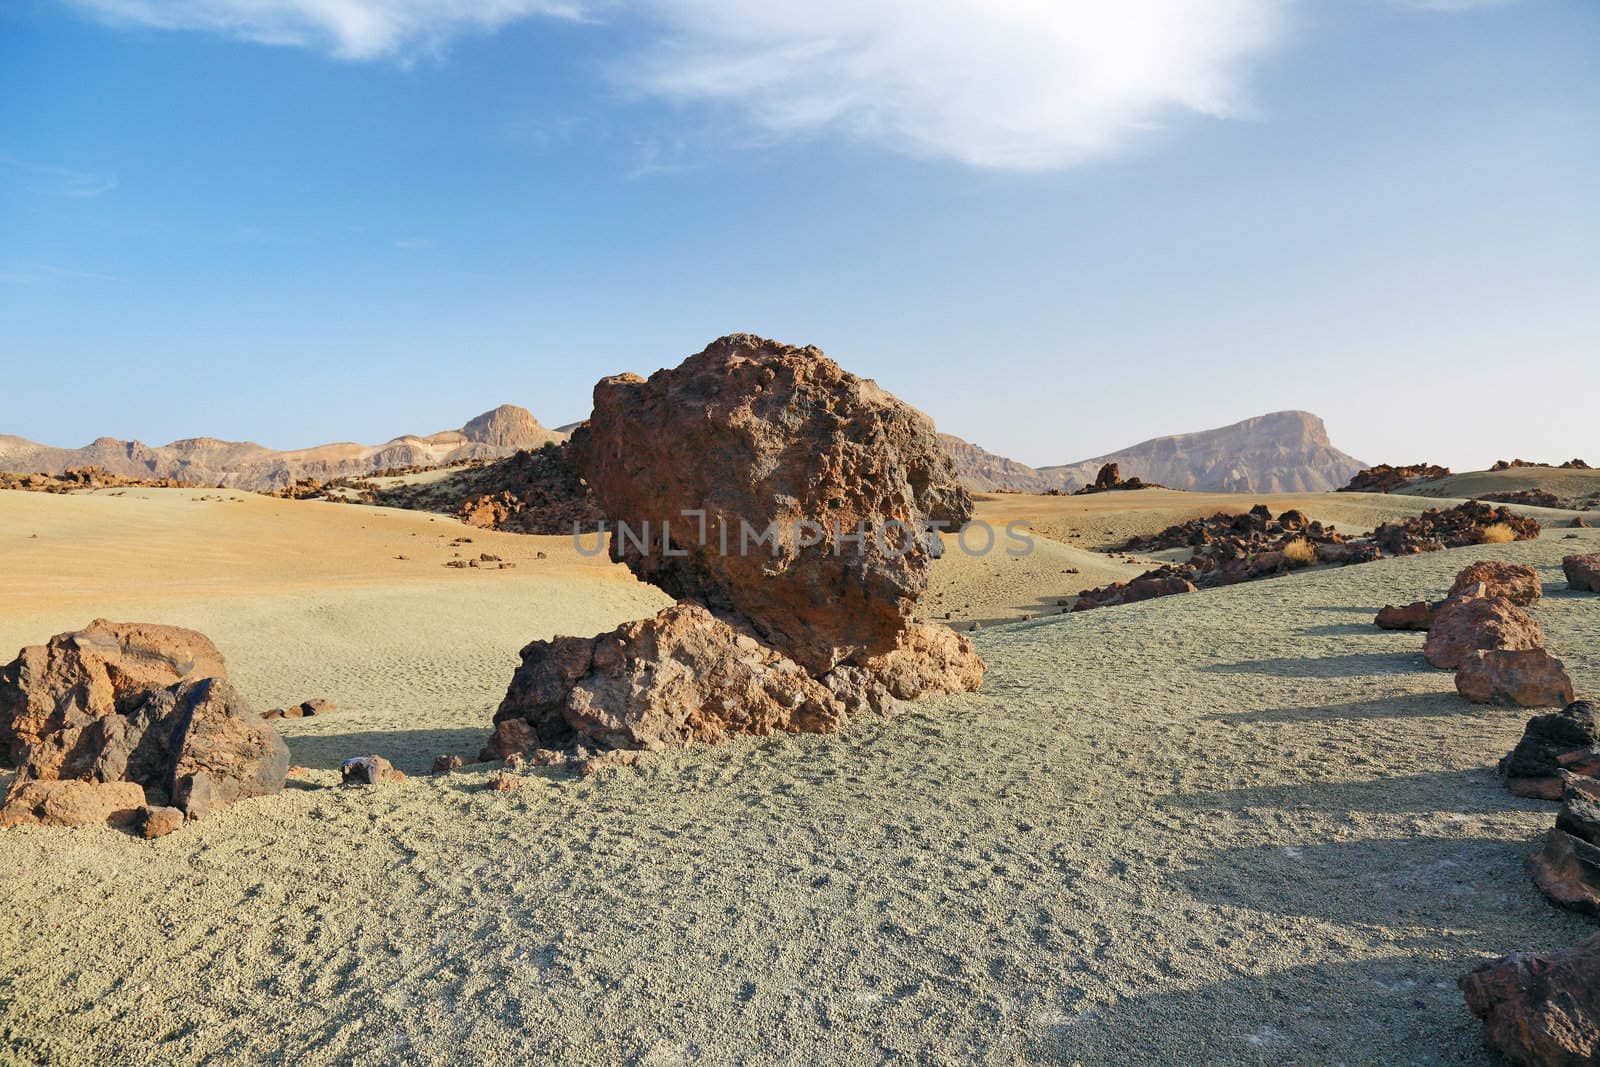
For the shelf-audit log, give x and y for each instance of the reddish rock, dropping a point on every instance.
(1157, 583)
(1567, 868)
(160, 821)
(1583, 572)
(318, 706)
(1515, 582)
(1565, 740)
(761, 436)
(1457, 527)
(71, 803)
(369, 770)
(93, 673)
(614, 760)
(504, 782)
(1417, 616)
(1386, 479)
(1463, 624)
(1524, 678)
(444, 764)
(1540, 1009)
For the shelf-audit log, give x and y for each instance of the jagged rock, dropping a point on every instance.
(1417, 616)
(1457, 527)
(1386, 479)
(1463, 624)
(1515, 582)
(760, 437)
(1565, 740)
(444, 764)
(1540, 1009)
(1583, 572)
(369, 770)
(1567, 868)
(160, 821)
(1163, 581)
(72, 803)
(1522, 678)
(92, 673)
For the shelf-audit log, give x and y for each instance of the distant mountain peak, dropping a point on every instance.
(507, 426)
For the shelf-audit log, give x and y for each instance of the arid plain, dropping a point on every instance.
(1240, 825)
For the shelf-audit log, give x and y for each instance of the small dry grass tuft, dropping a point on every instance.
(1497, 533)
(1300, 553)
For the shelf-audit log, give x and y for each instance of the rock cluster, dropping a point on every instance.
(1229, 549)
(1472, 523)
(1583, 572)
(1567, 740)
(1569, 465)
(122, 712)
(784, 503)
(1540, 1008)
(76, 478)
(1110, 478)
(1386, 479)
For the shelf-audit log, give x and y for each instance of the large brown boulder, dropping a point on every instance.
(101, 670)
(1540, 1009)
(196, 746)
(1515, 582)
(1414, 616)
(1524, 678)
(1565, 740)
(1567, 867)
(1583, 572)
(1464, 624)
(833, 475)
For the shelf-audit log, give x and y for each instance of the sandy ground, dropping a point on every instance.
(1239, 826)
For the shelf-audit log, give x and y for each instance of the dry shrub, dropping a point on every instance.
(1300, 553)
(1497, 533)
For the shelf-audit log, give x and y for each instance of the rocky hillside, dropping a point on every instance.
(1283, 452)
(245, 465)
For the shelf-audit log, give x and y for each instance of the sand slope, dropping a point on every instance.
(1238, 826)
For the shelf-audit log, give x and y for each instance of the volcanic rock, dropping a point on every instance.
(1583, 572)
(1540, 1009)
(1515, 582)
(1565, 740)
(92, 673)
(1457, 527)
(71, 803)
(1417, 616)
(818, 483)
(1463, 624)
(1386, 479)
(1567, 867)
(369, 770)
(160, 821)
(1524, 678)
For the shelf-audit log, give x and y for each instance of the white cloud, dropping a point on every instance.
(1016, 84)
(351, 29)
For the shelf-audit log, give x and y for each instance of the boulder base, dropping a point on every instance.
(1566, 740)
(72, 803)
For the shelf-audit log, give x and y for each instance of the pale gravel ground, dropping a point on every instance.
(1236, 826)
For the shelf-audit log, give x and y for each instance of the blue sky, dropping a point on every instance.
(1058, 228)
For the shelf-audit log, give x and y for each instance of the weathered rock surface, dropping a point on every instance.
(1540, 1009)
(160, 821)
(1416, 616)
(1523, 678)
(1457, 527)
(1565, 740)
(1386, 479)
(1583, 572)
(1163, 581)
(1567, 867)
(72, 803)
(1465, 624)
(65, 685)
(1515, 582)
(761, 436)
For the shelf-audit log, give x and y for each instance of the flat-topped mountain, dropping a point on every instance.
(246, 465)
(1281, 452)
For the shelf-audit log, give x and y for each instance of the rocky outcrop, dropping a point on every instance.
(1567, 740)
(1415, 616)
(1163, 581)
(785, 504)
(246, 465)
(1515, 582)
(1567, 867)
(135, 705)
(1540, 1009)
(1110, 478)
(62, 688)
(1524, 678)
(1463, 625)
(1386, 479)
(1472, 523)
(1583, 572)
